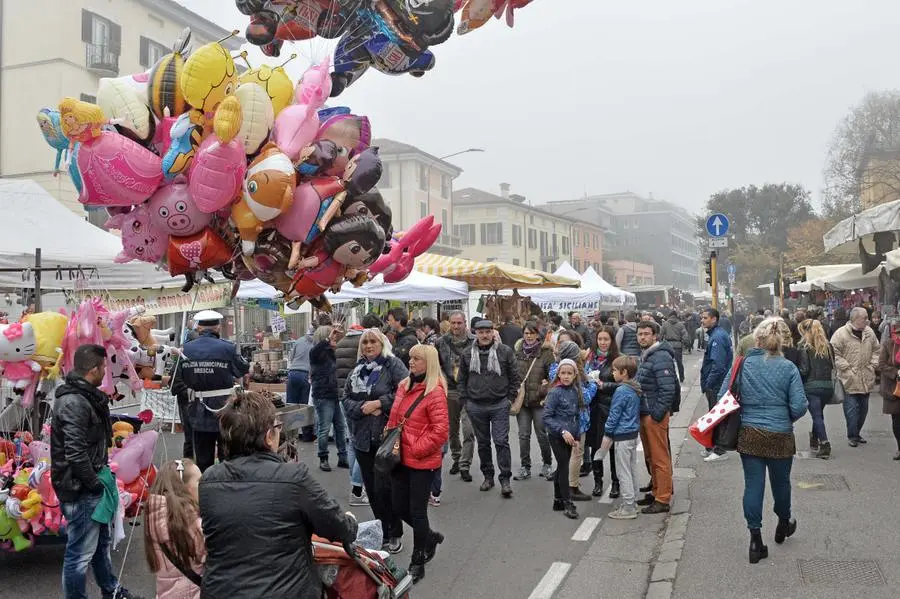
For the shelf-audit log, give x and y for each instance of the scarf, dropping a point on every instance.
(531, 350)
(366, 374)
(598, 360)
(493, 363)
(415, 379)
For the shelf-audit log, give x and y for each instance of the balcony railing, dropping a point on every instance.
(102, 59)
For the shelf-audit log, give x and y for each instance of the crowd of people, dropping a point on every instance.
(584, 389)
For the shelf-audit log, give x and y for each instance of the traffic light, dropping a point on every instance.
(709, 268)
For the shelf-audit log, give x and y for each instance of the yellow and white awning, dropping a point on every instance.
(489, 275)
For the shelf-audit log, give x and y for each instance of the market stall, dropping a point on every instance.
(491, 276)
(593, 293)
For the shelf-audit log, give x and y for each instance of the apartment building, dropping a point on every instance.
(644, 230)
(415, 184)
(45, 57)
(587, 246)
(628, 273)
(505, 228)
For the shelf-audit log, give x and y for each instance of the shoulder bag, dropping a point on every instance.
(388, 456)
(726, 433)
(516, 406)
(838, 395)
(188, 572)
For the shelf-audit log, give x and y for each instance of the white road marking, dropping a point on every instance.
(551, 581)
(605, 497)
(587, 528)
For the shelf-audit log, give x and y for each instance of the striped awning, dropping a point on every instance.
(489, 275)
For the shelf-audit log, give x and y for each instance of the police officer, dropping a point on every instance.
(208, 371)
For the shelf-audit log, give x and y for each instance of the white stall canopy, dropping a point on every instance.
(417, 287)
(593, 294)
(845, 236)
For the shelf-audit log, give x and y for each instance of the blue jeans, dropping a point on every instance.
(87, 544)
(298, 393)
(328, 412)
(817, 399)
(856, 408)
(755, 487)
(356, 479)
(438, 483)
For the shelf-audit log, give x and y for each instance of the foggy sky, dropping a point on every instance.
(675, 98)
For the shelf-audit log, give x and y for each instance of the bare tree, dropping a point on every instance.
(863, 165)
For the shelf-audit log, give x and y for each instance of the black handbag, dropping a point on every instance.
(388, 457)
(728, 431)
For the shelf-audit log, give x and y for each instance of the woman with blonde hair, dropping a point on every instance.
(816, 366)
(772, 399)
(368, 398)
(421, 405)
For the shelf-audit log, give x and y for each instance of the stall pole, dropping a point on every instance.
(36, 405)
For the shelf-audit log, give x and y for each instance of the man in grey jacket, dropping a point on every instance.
(488, 383)
(451, 347)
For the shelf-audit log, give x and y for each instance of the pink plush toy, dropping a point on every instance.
(297, 125)
(136, 455)
(17, 345)
(141, 238)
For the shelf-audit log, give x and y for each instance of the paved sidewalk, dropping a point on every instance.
(847, 541)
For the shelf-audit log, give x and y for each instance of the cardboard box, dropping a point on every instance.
(271, 343)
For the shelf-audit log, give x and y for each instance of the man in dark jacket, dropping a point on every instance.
(510, 332)
(488, 383)
(404, 335)
(208, 370)
(451, 347)
(673, 331)
(626, 337)
(716, 364)
(324, 382)
(662, 394)
(79, 442)
(253, 489)
(576, 323)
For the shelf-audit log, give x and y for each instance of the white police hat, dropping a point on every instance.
(208, 317)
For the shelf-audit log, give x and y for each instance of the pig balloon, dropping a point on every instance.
(172, 209)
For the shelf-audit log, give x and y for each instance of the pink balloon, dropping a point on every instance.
(216, 174)
(172, 209)
(141, 239)
(296, 223)
(400, 260)
(135, 455)
(295, 127)
(117, 171)
(39, 450)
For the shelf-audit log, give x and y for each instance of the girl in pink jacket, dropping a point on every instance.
(173, 537)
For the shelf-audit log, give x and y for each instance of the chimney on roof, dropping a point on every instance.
(504, 191)
(517, 198)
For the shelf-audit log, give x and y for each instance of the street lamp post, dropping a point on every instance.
(428, 179)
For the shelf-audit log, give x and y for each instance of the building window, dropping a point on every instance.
(151, 52)
(423, 177)
(385, 181)
(532, 265)
(555, 247)
(596, 242)
(516, 236)
(575, 236)
(445, 186)
(532, 239)
(423, 209)
(103, 40)
(466, 234)
(531, 219)
(565, 245)
(515, 262)
(445, 221)
(491, 233)
(576, 264)
(544, 244)
(88, 98)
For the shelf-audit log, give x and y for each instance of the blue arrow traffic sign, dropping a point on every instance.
(731, 269)
(717, 225)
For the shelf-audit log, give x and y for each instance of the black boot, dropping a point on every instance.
(558, 505)
(417, 565)
(614, 490)
(597, 467)
(813, 441)
(785, 529)
(758, 551)
(434, 540)
(824, 450)
(570, 511)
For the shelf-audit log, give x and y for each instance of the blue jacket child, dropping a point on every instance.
(623, 422)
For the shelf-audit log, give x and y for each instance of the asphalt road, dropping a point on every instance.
(494, 548)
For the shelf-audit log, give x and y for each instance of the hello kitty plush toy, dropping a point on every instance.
(17, 344)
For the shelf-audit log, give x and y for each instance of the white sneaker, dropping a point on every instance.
(716, 457)
(623, 512)
(434, 501)
(705, 453)
(361, 499)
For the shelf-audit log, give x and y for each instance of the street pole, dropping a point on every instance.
(714, 275)
(781, 283)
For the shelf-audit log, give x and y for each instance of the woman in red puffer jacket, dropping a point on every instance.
(424, 433)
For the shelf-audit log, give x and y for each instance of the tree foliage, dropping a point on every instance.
(760, 221)
(805, 245)
(864, 156)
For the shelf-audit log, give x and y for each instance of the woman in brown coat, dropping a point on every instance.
(534, 358)
(888, 364)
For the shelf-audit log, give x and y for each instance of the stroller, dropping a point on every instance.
(361, 574)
